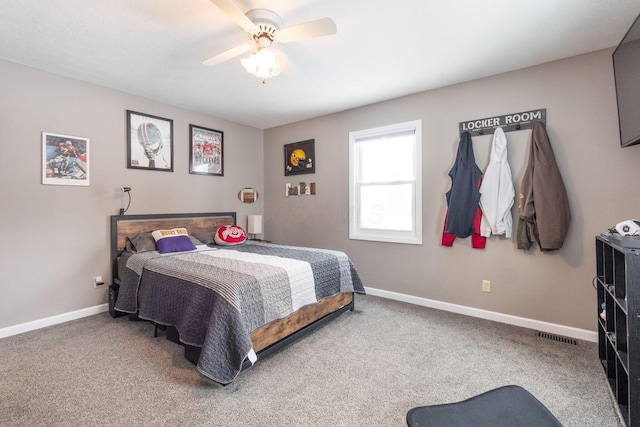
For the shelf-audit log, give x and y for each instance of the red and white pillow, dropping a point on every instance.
(230, 235)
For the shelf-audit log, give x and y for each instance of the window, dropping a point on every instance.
(385, 183)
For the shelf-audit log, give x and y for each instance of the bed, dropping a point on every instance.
(229, 306)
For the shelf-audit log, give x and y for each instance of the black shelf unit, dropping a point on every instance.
(618, 287)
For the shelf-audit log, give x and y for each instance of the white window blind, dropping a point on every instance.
(385, 183)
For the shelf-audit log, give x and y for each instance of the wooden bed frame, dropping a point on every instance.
(267, 339)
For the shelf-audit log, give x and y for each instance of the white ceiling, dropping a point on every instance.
(382, 50)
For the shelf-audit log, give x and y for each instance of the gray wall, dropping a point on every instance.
(55, 239)
(601, 178)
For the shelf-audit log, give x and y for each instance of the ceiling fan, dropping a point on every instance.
(263, 28)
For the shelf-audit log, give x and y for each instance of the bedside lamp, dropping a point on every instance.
(254, 225)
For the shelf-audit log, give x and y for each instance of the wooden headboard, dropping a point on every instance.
(123, 226)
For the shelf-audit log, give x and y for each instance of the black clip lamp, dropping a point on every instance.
(128, 191)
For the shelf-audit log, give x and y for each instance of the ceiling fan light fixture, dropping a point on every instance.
(262, 63)
(264, 26)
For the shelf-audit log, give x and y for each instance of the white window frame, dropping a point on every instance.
(356, 230)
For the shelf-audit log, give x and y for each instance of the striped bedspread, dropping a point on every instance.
(216, 297)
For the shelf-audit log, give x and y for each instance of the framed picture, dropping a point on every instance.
(205, 151)
(65, 159)
(149, 142)
(299, 158)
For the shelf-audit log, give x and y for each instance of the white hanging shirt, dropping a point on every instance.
(496, 192)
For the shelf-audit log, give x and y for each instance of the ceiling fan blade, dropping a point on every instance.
(307, 30)
(231, 8)
(228, 54)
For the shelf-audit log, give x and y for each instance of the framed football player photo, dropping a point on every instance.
(149, 142)
(65, 159)
(299, 158)
(205, 151)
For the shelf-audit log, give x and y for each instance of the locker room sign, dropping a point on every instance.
(508, 122)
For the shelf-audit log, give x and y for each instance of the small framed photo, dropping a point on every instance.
(65, 159)
(299, 158)
(206, 151)
(149, 142)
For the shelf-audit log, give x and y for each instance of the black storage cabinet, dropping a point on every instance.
(618, 287)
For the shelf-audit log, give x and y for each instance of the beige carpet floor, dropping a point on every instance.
(366, 368)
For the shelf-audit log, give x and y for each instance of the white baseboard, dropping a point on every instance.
(552, 328)
(53, 320)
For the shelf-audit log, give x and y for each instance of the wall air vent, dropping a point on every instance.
(558, 338)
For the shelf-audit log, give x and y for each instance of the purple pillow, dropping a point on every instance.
(174, 240)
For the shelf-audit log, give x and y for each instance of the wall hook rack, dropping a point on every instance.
(508, 122)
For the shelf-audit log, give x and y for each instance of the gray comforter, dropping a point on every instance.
(216, 297)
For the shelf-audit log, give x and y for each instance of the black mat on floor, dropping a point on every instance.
(505, 406)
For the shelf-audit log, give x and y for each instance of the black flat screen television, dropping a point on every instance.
(626, 70)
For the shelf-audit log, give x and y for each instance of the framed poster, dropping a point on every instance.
(299, 158)
(205, 151)
(65, 159)
(149, 142)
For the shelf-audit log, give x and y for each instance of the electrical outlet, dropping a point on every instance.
(486, 286)
(97, 281)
